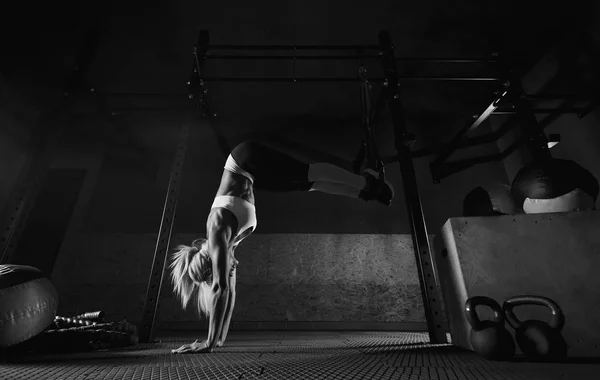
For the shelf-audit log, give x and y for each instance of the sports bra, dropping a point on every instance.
(244, 211)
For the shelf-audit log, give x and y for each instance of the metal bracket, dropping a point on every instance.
(163, 241)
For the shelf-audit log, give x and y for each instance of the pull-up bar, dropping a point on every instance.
(203, 52)
(291, 47)
(347, 79)
(342, 57)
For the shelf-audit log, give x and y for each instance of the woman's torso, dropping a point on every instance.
(234, 185)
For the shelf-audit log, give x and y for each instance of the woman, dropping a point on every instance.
(207, 268)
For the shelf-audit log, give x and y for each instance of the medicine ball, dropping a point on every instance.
(28, 303)
(489, 201)
(554, 185)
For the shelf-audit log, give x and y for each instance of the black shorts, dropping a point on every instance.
(272, 170)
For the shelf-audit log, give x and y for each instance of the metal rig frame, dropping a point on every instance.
(404, 140)
(389, 96)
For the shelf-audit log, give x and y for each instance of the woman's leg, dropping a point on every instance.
(324, 172)
(332, 179)
(276, 171)
(336, 189)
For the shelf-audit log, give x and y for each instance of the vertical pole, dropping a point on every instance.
(155, 280)
(403, 140)
(196, 91)
(365, 107)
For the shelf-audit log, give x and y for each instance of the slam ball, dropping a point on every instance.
(28, 303)
(491, 200)
(554, 185)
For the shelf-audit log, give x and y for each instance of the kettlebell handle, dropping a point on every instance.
(557, 318)
(471, 313)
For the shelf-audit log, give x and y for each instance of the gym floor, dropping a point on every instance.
(291, 355)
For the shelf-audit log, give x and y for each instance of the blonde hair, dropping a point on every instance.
(191, 272)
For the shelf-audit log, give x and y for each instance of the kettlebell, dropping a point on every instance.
(538, 339)
(490, 339)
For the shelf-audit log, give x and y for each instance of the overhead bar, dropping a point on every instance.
(294, 47)
(499, 111)
(341, 57)
(346, 79)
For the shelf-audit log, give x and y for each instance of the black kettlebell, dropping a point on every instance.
(490, 339)
(538, 339)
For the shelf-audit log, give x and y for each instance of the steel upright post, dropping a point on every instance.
(403, 140)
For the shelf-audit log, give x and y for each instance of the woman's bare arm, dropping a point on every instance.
(218, 240)
(230, 307)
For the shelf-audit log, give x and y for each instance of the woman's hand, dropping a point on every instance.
(193, 348)
(234, 264)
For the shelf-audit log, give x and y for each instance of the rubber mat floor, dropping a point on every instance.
(290, 355)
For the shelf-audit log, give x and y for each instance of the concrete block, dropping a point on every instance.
(551, 255)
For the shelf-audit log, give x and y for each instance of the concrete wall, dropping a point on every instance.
(281, 277)
(17, 117)
(27, 112)
(314, 257)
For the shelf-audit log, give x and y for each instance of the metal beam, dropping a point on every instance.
(452, 146)
(466, 143)
(454, 167)
(425, 269)
(553, 115)
(280, 57)
(545, 111)
(457, 166)
(176, 96)
(293, 47)
(163, 241)
(346, 79)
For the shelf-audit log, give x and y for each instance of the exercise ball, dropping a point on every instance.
(28, 303)
(554, 185)
(490, 200)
